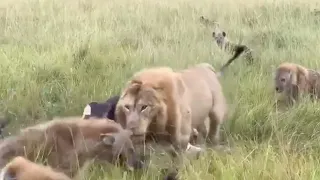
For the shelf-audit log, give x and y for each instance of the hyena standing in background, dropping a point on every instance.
(208, 22)
(226, 45)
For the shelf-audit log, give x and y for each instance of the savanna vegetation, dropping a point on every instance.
(58, 55)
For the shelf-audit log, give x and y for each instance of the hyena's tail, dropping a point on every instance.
(238, 51)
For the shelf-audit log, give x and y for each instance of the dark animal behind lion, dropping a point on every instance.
(101, 110)
(3, 123)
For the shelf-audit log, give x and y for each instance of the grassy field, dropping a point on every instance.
(58, 55)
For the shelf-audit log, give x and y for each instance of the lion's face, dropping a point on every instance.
(138, 107)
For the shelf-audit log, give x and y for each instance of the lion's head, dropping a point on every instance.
(146, 100)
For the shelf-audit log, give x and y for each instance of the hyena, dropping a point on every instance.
(293, 80)
(226, 45)
(208, 22)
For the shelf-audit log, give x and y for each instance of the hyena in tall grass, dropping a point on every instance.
(208, 22)
(228, 46)
(293, 80)
(224, 43)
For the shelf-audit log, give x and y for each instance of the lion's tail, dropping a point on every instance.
(238, 51)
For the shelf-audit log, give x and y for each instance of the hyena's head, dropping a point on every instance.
(220, 38)
(208, 22)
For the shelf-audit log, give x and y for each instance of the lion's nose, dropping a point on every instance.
(132, 125)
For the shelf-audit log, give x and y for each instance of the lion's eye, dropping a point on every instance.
(282, 79)
(144, 107)
(127, 107)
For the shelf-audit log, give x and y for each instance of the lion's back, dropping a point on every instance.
(201, 78)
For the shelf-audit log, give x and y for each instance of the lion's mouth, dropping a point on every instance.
(138, 138)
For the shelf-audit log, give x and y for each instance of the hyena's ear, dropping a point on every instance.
(107, 139)
(224, 34)
(213, 34)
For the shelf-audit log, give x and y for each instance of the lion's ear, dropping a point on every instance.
(124, 90)
(135, 81)
(132, 87)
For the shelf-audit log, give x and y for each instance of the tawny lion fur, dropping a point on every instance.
(294, 80)
(22, 169)
(160, 100)
(67, 143)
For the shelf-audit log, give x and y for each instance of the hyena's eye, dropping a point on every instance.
(131, 150)
(282, 79)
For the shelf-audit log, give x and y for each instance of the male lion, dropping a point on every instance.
(163, 104)
(292, 80)
(20, 168)
(95, 110)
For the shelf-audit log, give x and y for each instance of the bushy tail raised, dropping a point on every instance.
(238, 51)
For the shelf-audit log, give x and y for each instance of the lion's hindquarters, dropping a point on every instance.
(199, 97)
(218, 112)
(206, 99)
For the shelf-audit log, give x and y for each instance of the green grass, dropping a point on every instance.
(58, 55)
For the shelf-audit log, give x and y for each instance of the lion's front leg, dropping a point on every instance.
(180, 140)
(183, 130)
